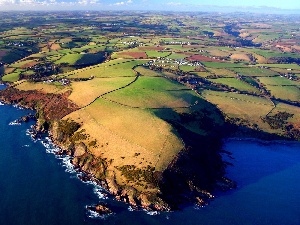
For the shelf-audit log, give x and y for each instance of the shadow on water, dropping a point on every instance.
(254, 160)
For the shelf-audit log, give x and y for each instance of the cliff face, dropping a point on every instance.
(193, 174)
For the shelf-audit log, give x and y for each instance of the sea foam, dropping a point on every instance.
(14, 123)
(100, 192)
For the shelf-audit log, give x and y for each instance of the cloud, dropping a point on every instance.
(174, 3)
(46, 4)
(3, 2)
(122, 3)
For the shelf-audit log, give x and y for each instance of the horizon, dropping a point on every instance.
(266, 6)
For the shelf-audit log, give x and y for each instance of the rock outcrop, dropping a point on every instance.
(101, 209)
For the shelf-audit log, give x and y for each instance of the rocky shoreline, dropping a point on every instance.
(189, 178)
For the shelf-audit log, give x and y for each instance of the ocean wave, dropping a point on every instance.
(51, 148)
(131, 209)
(66, 162)
(14, 123)
(17, 106)
(99, 192)
(198, 207)
(152, 213)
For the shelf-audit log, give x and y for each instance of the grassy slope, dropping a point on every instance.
(247, 107)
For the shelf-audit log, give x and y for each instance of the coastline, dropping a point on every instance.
(164, 200)
(175, 217)
(176, 185)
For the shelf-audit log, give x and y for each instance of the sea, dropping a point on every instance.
(39, 188)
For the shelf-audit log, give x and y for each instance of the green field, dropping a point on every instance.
(70, 59)
(187, 68)
(12, 77)
(113, 68)
(223, 65)
(154, 92)
(235, 83)
(283, 66)
(177, 56)
(271, 54)
(254, 72)
(291, 93)
(156, 54)
(278, 81)
(147, 72)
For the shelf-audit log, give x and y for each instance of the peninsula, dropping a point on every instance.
(142, 101)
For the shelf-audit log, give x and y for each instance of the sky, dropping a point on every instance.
(164, 5)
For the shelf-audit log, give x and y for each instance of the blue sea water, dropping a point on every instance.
(37, 188)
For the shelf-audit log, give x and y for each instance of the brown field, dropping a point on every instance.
(29, 64)
(55, 47)
(220, 34)
(259, 58)
(218, 53)
(135, 55)
(46, 88)
(286, 43)
(244, 34)
(85, 92)
(9, 70)
(240, 56)
(285, 47)
(296, 47)
(109, 124)
(202, 58)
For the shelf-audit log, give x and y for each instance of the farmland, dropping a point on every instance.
(150, 88)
